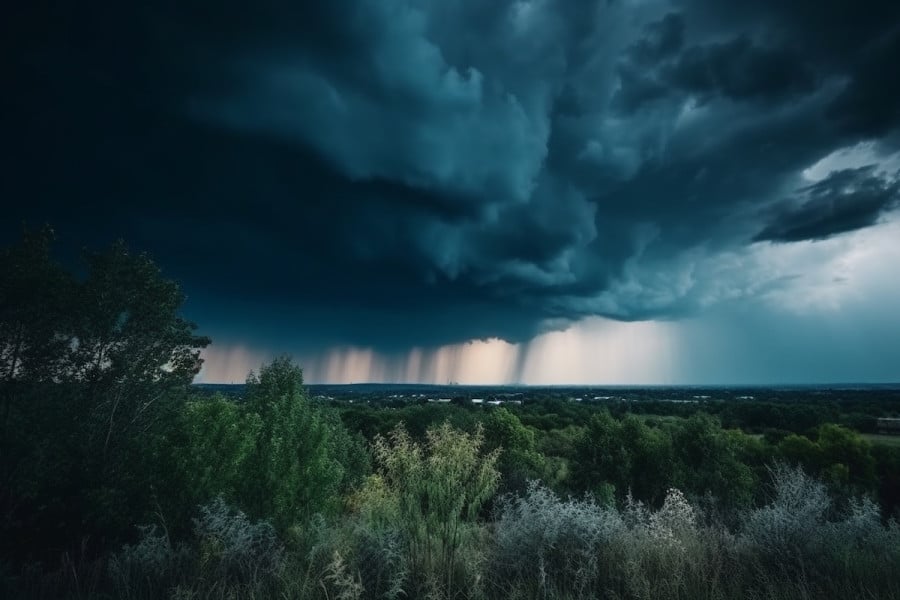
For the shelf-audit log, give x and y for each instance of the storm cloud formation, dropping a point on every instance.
(844, 201)
(393, 174)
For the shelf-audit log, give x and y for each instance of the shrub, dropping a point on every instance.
(150, 567)
(790, 527)
(800, 536)
(547, 547)
(431, 494)
(233, 549)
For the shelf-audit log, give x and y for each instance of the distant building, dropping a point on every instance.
(477, 400)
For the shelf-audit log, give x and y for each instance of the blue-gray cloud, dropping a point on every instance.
(394, 173)
(844, 201)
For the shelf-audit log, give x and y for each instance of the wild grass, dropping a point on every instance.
(538, 545)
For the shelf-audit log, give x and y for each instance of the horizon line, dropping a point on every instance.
(587, 385)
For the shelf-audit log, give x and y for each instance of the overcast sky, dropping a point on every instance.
(556, 191)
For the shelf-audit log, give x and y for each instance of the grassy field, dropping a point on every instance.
(878, 438)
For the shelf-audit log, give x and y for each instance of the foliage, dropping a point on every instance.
(432, 494)
(34, 322)
(234, 549)
(838, 455)
(519, 460)
(800, 533)
(94, 369)
(546, 547)
(212, 447)
(696, 455)
(293, 471)
(149, 567)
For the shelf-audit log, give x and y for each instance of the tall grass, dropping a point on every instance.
(798, 545)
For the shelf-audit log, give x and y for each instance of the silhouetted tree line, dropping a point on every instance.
(121, 481)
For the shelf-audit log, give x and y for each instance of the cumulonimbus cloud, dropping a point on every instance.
(443, 171)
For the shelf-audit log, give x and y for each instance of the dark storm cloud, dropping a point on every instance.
(663, 39)
(738, 69)
(869, 105)
(741, 69)
(844, 201)
(397, 173)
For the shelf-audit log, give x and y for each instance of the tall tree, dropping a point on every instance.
(88, 367)
(294, 470)
(131, 347)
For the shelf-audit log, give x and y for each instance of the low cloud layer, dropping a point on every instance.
(387, 174)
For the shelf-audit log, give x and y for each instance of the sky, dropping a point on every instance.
(531, 191)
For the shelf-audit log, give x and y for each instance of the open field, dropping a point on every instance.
(883, 439)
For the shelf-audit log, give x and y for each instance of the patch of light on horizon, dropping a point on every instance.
(229, 363)
(602, 351)
(592, 351)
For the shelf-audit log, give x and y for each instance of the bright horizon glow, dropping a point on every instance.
(593, 351)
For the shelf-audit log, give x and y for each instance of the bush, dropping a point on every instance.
(801, 536)
(232, 549)
(546, 547)
(431, 494)
(150, 567)
(790, 527)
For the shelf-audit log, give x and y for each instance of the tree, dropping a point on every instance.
(210, 448)
(91, 368)
(652, 459)
(293, 471)
(34, 330)
(131, 347)
(841, 446)
(708, 461)
(519, 459)
(602, 459)
(840, 456)
(35, 293)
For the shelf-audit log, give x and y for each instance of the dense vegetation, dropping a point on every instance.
(118, 479)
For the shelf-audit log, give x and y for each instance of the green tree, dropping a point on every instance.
(35, 312)
(211, 447)
(839, 455)
(520, 460)
(293, 471)
(841, 446)
(93, 367)
(652, 459)
(800, 451)
(131, 348)
(602, 459)
(34, 324)
(708, 461)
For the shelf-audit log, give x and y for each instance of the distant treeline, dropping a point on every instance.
(771, 411)
(122, 480)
